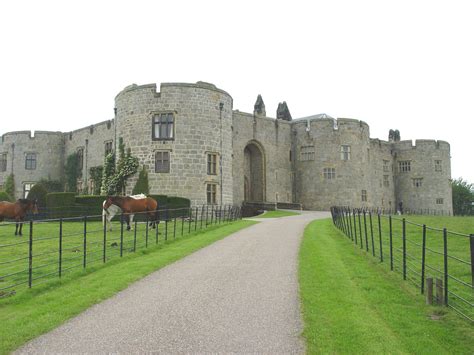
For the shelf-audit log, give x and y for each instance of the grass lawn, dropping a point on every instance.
(33, 312)
(353, 304)
(277, 214)
(460, 294)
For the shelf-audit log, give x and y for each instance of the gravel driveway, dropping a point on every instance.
(237, 295)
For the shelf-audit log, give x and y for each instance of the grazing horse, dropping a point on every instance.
(113, 210)
(17, 211)
(130, 206)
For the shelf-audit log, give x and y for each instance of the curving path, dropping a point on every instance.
(237, 295)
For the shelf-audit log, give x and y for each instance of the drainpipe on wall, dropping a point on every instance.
(221, 107)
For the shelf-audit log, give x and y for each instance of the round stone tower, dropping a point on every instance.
(182, 135)
(332, 159)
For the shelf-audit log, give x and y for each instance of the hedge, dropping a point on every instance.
(38, 192)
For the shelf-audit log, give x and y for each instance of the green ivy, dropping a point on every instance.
(127, 166)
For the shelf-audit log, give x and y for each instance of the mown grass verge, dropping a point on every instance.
(351, 304)
(277, 214)
(30, 314)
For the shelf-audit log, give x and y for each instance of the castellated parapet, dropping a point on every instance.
(31, 156)
(193, 144)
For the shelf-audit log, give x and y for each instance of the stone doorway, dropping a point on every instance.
(254, 172)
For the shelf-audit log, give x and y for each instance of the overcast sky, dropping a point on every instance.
(406, 65)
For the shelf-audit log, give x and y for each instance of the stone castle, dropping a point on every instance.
(195, 145)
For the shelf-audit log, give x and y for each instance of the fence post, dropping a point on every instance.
(202, 212)
(196, 221)
(121, 235)
(190, 218)
(30, 257)
(380, 237)
(146, 230)
(105, 241)
(355, 227)
(360, 230)
(166, 226)
(404, 240)
(174, 227)
(471, 239)
(365, 230)
(207, 213)
(135, 237)
(212, 213)
(157, 226)
(85, 243)
(372, 233)
(391, 244)
(423, 258)
(429, 290)
(60, 266)
(445, 243)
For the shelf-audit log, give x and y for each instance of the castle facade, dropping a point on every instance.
(195, 145)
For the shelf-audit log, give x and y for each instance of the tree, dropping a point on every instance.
(463, 197)
(142, 187)
(9, 186)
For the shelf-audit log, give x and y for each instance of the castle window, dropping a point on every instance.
(386, 181)
(364, 195)
(438, 166)
(211, 190)
(163, 126)
(417, 182)
(345, 152)
(211, 164)
(386, 166)
(439, 201)
(307, 153)
(30, 161)
(404, 166)
(3, 162)
(26, 188)
(162, 162)
(108, 148)
(329, 173)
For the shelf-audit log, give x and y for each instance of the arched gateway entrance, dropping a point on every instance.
(254, 172)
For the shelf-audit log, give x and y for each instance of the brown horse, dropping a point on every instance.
(130, 206)
(17, 211)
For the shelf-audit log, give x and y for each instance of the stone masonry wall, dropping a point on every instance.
(197, 126)
(48, 147)
(434, 192)
(274, 136)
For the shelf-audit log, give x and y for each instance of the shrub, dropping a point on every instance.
(72, 172)
(52, 185)
(161, 199)
(38, 192)
(92, 204)
(5, 197)
(178, 202)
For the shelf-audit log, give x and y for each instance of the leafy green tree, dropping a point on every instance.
(107, 173)
(9, 186)
(5, 197)
(142, 187)
(95, 174)
(463, 197)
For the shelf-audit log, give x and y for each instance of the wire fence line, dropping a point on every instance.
(52, 247)
(418, 252)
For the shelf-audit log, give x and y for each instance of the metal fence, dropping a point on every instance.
(50, 248)
(420, 253)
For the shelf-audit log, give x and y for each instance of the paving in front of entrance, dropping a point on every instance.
(237, 295)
